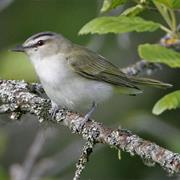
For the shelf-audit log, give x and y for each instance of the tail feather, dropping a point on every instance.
(150, 82)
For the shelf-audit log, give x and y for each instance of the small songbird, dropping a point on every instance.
(73, 75)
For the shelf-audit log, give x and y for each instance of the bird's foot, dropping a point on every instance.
(88, 114)
(37, 89)
(54, 109)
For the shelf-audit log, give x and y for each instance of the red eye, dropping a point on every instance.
(40, 42)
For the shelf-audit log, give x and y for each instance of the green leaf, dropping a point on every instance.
(176, 4)
(170, 3)
(133, 11)
(120, 24)
(111, 4)
(159, 54)
(168, 102)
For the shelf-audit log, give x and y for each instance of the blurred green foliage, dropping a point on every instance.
(171, 3)
(3, 174)
(25, 17)
(16, 66)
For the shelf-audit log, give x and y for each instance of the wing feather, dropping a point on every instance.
(94, 66)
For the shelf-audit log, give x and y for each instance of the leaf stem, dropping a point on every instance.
(164, 12)
(165, 29)
(173, 18)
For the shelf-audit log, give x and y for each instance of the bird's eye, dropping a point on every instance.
(40, 43)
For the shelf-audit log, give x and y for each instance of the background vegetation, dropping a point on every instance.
(21, 18)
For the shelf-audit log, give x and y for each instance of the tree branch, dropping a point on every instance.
(87, 150)
(18, 97)
(141, 66)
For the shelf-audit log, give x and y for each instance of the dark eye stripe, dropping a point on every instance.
(40, 35)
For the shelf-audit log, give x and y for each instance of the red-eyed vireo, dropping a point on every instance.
(73, 75)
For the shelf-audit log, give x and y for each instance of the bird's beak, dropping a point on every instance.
(18, 48)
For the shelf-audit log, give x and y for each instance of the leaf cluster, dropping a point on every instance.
(130, 20)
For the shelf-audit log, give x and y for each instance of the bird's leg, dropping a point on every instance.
(88, 114)
(54, 110)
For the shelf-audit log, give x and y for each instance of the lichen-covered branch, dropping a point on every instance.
(18, 97)
(86, 151)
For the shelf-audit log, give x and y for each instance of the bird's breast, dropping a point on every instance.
(67, 88)
(53, 69)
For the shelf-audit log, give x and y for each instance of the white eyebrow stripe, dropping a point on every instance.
(32, 42)
(40, 36)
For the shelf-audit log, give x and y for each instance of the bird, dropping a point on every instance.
(74, 76)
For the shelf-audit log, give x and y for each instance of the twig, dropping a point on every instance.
(53, 165)
(141, 67)
(86, 151)
(32, 155)
(24, 172)
(19, 96)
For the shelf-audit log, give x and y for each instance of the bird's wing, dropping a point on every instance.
(93, 66)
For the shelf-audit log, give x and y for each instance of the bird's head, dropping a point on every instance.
(44, 44)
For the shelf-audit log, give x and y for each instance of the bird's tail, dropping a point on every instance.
(150, 82)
